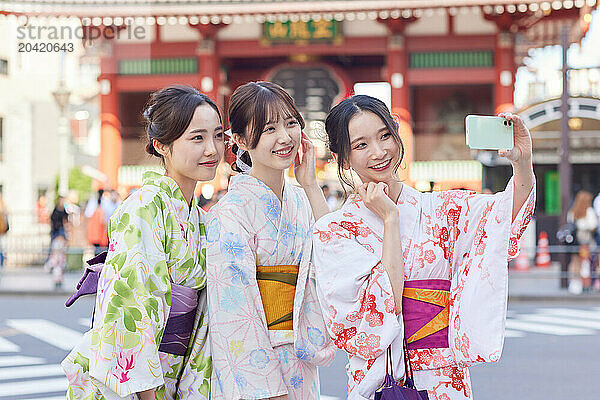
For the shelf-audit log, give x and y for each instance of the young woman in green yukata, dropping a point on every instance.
(157, 239)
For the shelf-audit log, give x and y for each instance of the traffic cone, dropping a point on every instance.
(522, 261)
(543, 251)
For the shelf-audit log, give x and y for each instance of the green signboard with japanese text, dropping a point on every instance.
(302, 31)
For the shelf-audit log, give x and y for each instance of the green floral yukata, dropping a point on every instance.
(155, 238)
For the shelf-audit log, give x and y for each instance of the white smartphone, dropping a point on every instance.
(489, 132)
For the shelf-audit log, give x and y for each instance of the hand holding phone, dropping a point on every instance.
(489, 133)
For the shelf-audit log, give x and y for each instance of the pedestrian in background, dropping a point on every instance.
(58, 220)
(586, 222)
(97, 232)
(3, 228)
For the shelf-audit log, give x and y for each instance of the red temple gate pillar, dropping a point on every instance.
(209, 74)
(396, 73)
(505, 72)
(110, 125)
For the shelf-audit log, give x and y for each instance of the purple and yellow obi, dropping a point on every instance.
(426, 311)
(277, 287)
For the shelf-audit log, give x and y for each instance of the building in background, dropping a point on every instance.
(442, 60)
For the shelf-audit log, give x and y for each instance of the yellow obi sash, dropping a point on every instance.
(277, 287)
(426, 311)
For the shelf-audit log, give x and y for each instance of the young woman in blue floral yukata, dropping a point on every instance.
(155, 268)
(267, 332)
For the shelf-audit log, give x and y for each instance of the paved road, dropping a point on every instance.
(551, 352)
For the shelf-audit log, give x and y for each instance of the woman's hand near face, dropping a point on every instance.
(306, 175)
(304, 165)
(375, 197)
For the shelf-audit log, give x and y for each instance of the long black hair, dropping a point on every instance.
(336, 126)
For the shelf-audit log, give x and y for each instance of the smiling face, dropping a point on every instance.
(278, 144)
(374, 153)
(196, 154)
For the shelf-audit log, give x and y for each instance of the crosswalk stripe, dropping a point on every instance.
(34, 371)
(87, 322)
(572, 313)
(511, 333)
(47, 331)
(33, 387)
(8, 347)
(561, 320)
(11, 361)
(547, 329)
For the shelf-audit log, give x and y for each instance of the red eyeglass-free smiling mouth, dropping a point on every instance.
(283, 153)
(382, 166)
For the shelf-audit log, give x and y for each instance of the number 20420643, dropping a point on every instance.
(45, 47)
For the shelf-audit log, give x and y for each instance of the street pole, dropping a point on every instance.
(564, 168)
(61, 96)
(63, 140)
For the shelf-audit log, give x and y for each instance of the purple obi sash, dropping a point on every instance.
(425, 310)
(182, 314)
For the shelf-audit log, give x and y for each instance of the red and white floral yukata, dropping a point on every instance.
(456, 246)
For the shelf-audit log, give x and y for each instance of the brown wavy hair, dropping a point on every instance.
(583, 201)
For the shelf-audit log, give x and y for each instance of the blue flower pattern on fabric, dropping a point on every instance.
(304, 351)
(219, 382)
(271, 206)
(241, 381)
(260, 394)
(287, 231)
(296, 381)
(259, 359)
(315, 336)
(232, 299)
(235, 198)
(238, 276)
(231, 246)
(283, 355)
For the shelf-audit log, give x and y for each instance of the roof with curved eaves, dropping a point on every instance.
(384, 8)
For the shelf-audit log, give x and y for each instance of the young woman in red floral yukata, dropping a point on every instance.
(395, 265)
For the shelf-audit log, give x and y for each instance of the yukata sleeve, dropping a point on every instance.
(478, 238)
(133, 300)
(354, 291)
(245, 365)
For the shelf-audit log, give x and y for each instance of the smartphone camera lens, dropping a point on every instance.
(509, 123)
(505, 122)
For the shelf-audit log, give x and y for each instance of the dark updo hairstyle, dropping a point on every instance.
(336, 126)
(169, 112)
(252, 106)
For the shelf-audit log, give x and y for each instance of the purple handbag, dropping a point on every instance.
(182, 314)
(390, 390)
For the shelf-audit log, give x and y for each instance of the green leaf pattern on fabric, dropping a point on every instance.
(154, 238)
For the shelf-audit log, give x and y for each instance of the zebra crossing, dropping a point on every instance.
(33, 378)
(27, 377)
(554, 321)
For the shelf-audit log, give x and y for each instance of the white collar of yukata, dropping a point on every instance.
(242, 178)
